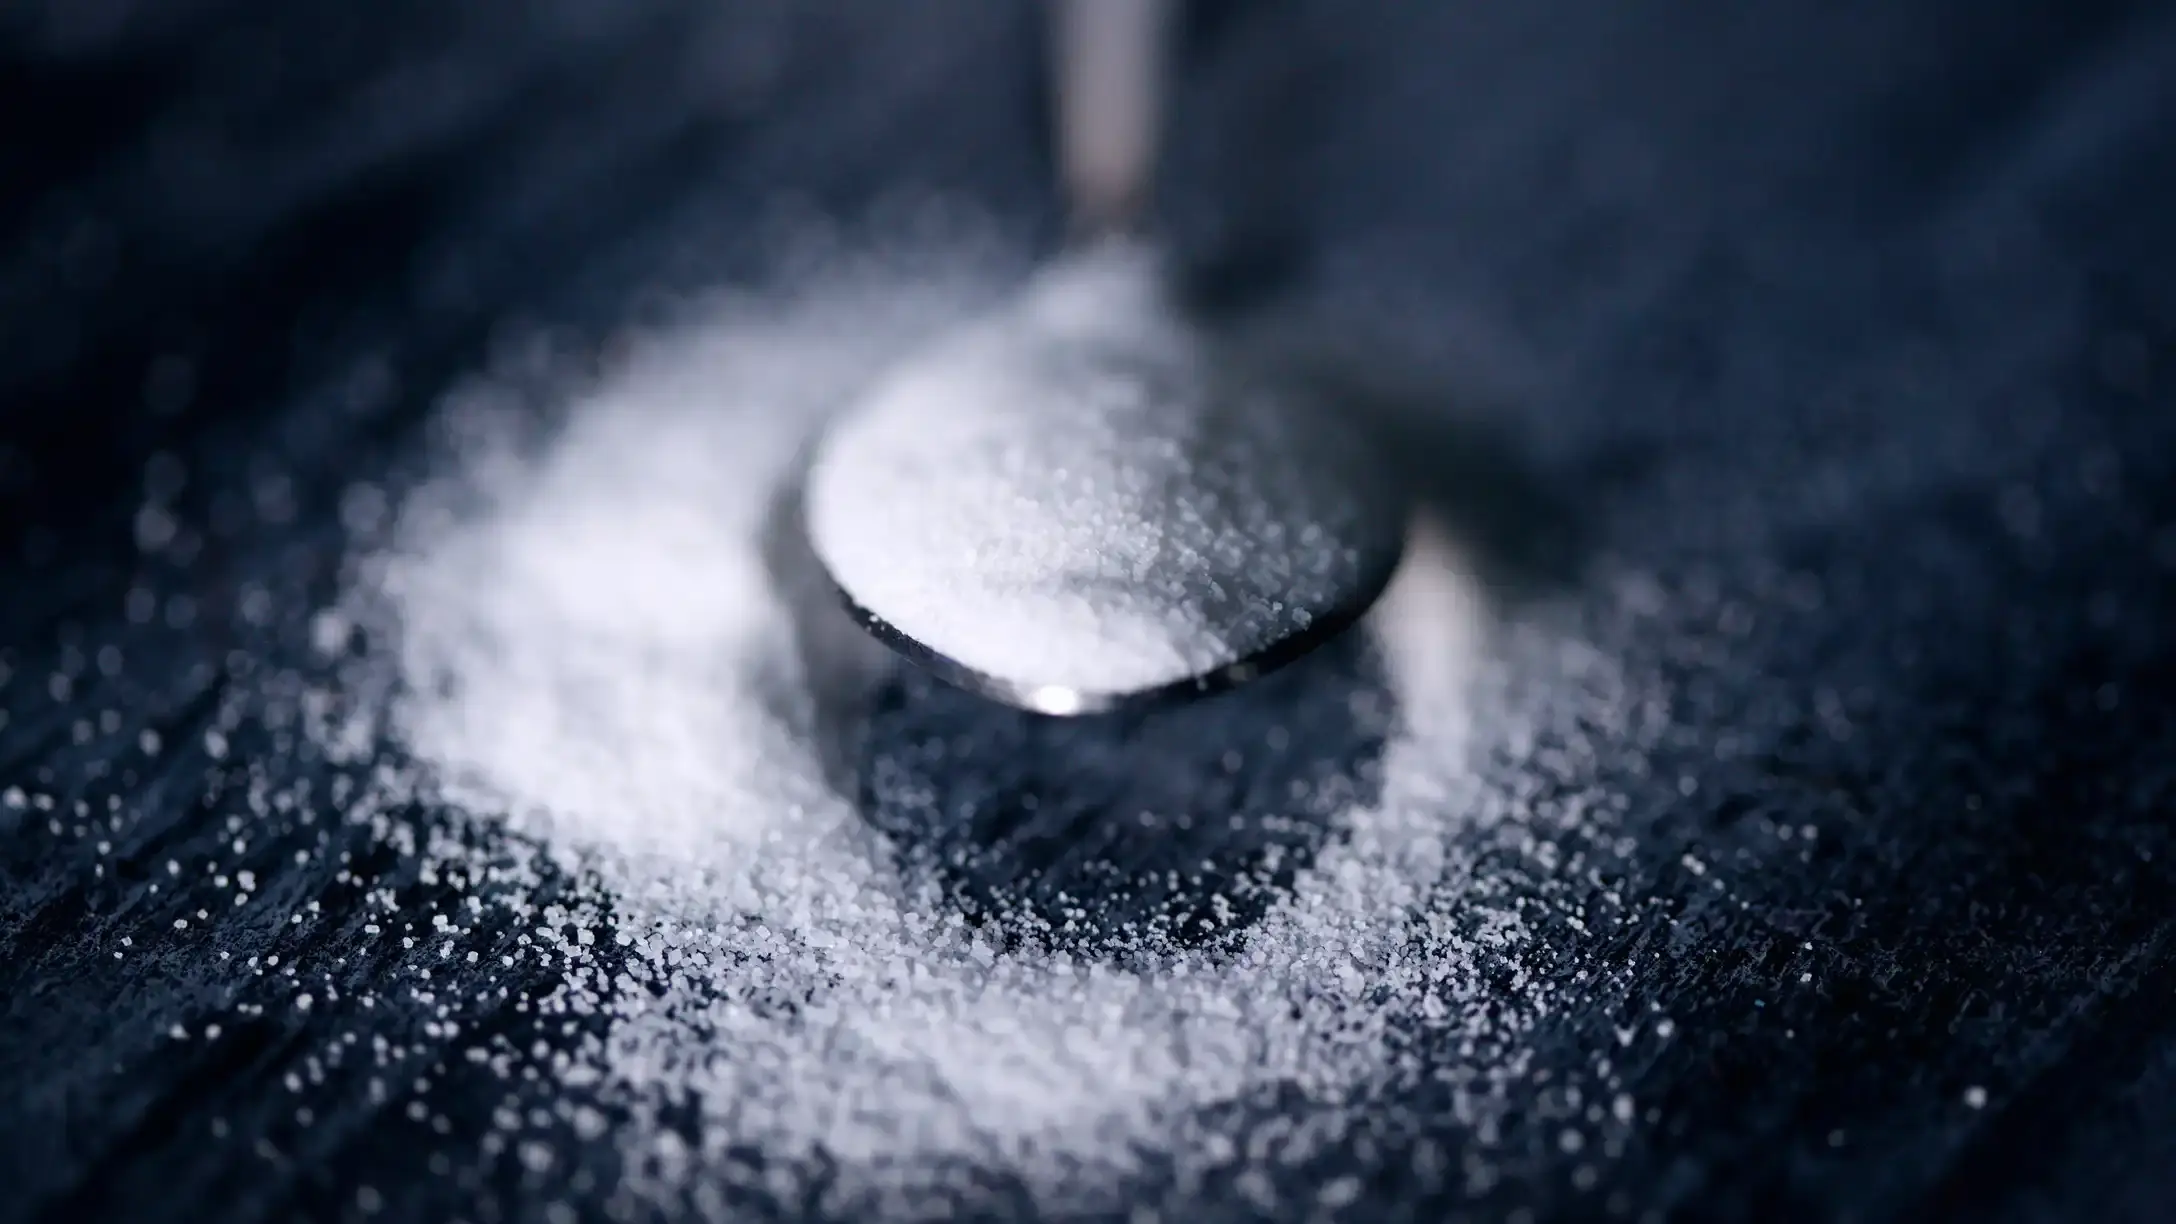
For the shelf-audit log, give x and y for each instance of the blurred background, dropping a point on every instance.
(181, 174)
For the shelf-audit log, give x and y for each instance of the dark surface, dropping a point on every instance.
(1843, 332)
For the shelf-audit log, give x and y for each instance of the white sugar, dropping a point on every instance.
(596, 645)
(1071, 493)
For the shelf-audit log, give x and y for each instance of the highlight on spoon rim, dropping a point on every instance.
(1066, 701)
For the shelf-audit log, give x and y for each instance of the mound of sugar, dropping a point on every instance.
(1068, 494)
(597, 649)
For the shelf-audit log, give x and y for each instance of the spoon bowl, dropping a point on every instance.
(1079, 503)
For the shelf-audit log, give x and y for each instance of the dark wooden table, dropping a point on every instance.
(1842, 333)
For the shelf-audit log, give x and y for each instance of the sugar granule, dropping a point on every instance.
(595, 648)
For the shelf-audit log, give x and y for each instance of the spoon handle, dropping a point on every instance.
(1108, 70)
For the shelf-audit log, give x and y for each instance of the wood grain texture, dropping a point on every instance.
(1832, 348)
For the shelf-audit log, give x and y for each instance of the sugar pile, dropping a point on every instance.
(593, 644)
(1071, 494)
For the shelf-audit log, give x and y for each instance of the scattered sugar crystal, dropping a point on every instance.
(607, 645)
